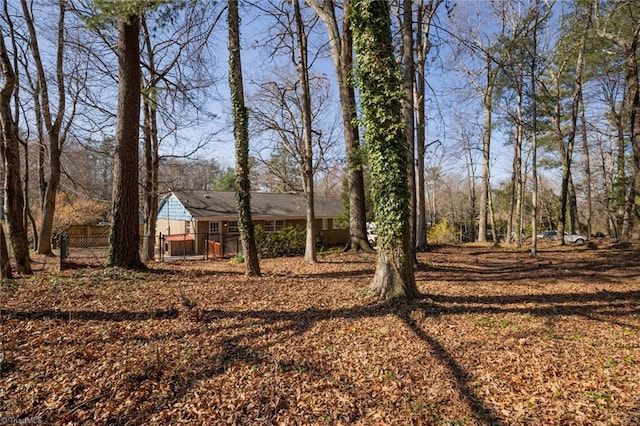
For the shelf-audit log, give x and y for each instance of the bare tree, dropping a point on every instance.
(517, 92)
(276, 109)
(174, 69)
(302, 66)
(342, 53)
(54, 123)
(424, 16)
(489, 48)
(10, 156)
(533, 69)
(566, 138)
(408, 78)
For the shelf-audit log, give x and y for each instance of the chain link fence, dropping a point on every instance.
(85, 251)
(92, 250)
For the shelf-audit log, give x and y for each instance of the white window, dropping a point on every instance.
(325, 224)
(335, 223)
(279, 225)
(269, 226)
(233, 227)
(187, 227)
(214, 227)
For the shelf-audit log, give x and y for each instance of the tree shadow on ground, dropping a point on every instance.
(253, 325)
(245, 343)
(512, 266)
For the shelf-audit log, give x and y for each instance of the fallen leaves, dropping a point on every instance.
(496, 337)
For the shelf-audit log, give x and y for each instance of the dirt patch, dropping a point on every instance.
(497, 337)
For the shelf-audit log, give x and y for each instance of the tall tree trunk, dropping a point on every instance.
(125, 231)
(486, 152)
(151, 144)
(307, 166)
(492, 218)
(621, 182)
(534, 142)
(512, 198)
(241, 133)
(568, 196)
(10, 156)
(5, 265)
(408, 77)
(606, 165)
(421, 126)
(151, 163)
(587, 165)
(52, 125)
(566, 154)
(425, 14)
(342, 54)
(633, 93)
(517, 160)
(471, 185)
(379, 80)
(28, 218)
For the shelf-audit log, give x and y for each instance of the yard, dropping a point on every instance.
(497, 337)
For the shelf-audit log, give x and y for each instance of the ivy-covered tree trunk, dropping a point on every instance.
(124, 239)
(241, 133)
(381, 100)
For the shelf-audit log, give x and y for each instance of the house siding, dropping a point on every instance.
(172, 209)
(173, 216)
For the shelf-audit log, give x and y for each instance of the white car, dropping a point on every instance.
(371, 236)
(568, 238)
(574, 238)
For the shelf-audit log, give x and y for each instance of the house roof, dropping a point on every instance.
(201, 204)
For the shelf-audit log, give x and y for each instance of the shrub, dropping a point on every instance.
(442, 233)
(289, 241)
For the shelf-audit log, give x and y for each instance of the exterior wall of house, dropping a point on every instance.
(172, 209)
(173, 219)
(325, 231)
(230, 240)
(172, 227)
(202, 228)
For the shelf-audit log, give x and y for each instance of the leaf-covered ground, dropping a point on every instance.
(497, 337)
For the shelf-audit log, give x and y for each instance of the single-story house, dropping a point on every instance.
(190, 220)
